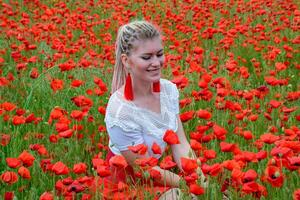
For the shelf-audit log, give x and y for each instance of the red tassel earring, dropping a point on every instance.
(156, 87)
(128, 91)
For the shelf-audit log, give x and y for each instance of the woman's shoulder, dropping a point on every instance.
(169, 87)
(119, 113)
(118, 107)
(167, 82)
(115, 102)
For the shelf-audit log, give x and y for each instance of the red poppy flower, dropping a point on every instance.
(196, 189)
(9, 195)
(167, 163)
(101, 110)
(13, 162)
(247, 135)
(280, 66)
(82, 101)
(118, 161)
(26, 158)
(227, 147)
(237, 175)
(146, 162)
(274, 176)
(249, 176)
(76, 187)
(281, 152)
(212, 170)
(9, 177)
(296, 195)
(66, 134)
(219, 131)
(188, 165)
(156, 148)
(77, 115)
(171, 137)
(4, 139)
(195, 145)
(155, 174)
(196, 136)
(139, 149)
(186, 116)
(79, 168)
(204, 114)
(191, 178)
(30, 118)
(56, 113)
(253, 117)
(181, 81)
(57, 84)
(77, 83)
(34, 73)
(97, 162)
(47, 196)
(61, 126)
(231, 164)
(255, 189)
(185, 102)
(100, 83)
(7, 106)
(269, 138)
(294, 161)
(60, 186)
(246, 156)
(17, 120)
(24, 172)
(209, 154)
(59, 168)
(261, 155)
(67, 66)
(103, 171)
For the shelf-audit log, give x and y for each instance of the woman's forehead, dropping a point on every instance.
(152, 45)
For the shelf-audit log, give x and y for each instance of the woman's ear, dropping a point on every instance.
(124, 59)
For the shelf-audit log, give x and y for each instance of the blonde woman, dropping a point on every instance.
(143, 105)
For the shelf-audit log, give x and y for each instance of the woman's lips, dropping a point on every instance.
(152, 70)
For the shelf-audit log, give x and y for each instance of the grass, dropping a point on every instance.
(36, 96)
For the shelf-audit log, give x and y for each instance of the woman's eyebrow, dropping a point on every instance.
(159, 51)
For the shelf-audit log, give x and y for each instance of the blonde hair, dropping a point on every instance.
(127, 35)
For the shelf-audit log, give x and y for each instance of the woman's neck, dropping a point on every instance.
(141, 88)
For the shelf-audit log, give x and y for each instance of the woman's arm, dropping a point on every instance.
(183, 149)
(167, 177)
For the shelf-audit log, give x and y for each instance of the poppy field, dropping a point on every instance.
(236, 65)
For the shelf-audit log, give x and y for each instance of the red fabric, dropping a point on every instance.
(111, 190)
(119, 174)
(156, 87)
(128, 90)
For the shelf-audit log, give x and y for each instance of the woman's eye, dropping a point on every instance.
(146, 58)
(160, 55)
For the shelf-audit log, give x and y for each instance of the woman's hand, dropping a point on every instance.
(184, 150)
(203, 179)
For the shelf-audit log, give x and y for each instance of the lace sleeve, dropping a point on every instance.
(174, 97)
(122, 139)
(176, 100)
(118, 114)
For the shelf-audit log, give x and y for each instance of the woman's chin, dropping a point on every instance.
(155, 79)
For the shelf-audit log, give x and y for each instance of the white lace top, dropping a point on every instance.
(129, 125)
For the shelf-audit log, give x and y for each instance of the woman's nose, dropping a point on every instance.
(156, 61)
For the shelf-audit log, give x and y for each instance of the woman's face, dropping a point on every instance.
(146, 60)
